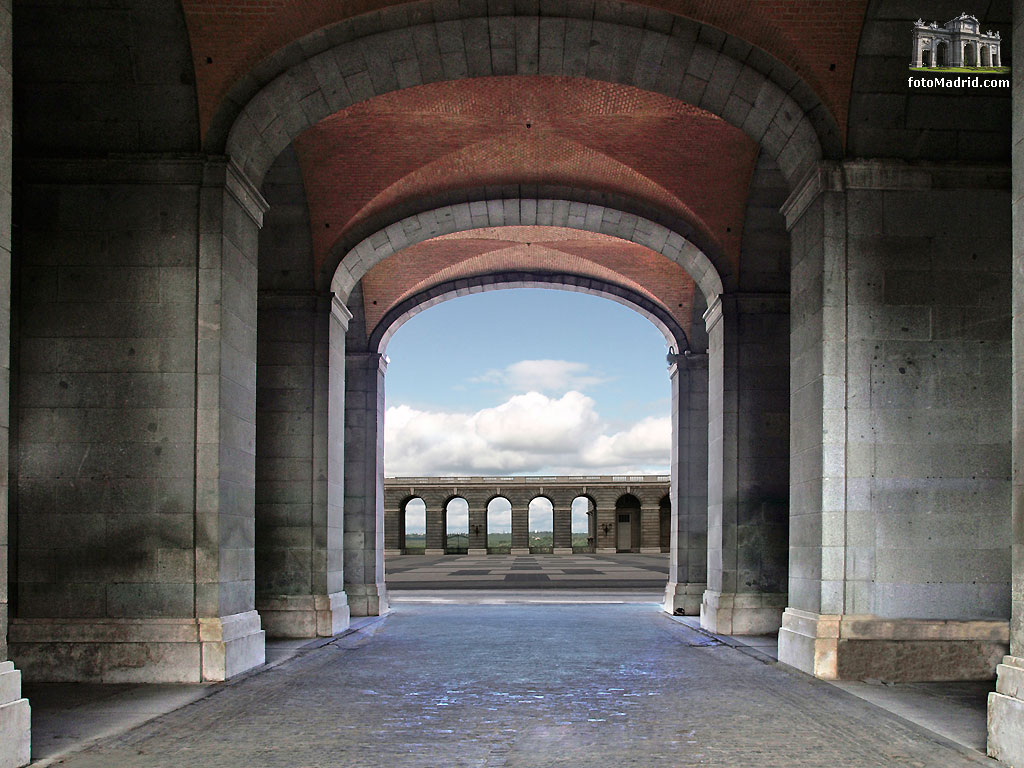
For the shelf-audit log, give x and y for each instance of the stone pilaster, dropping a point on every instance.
(15, 714)
(892, 369)
(1006, 703)
(161, 404)
(520, 525)
(436, 535)
(300, 532)
(364, 483)
(688, 559)
(561, 528)
(747, 511)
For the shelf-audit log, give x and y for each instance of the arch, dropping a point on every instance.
(313, 79)
(584, 539)
(970, 55)
(627, 523)
(541, 512)
(406, 310)
(462, 217)
(942, 54)
(986, 56)
(418, 538)
(498, 525)
(456, 510)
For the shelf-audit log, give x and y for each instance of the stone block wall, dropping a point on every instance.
(900, 477)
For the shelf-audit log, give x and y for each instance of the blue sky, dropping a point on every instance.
(527, 381)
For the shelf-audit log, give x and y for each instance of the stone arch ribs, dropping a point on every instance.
(314, 78)
(412, 306)
(495, 213)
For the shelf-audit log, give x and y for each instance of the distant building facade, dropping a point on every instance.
(957, 43)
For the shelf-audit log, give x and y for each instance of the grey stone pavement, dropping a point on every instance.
(490, 682)
(579, 571)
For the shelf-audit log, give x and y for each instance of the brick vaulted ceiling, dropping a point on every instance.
(488, 132)
(533, 249)
(817, 39)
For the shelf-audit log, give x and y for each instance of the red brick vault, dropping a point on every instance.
(816, 39)
(488, 132)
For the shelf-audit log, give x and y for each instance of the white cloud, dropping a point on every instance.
(530, 433)
(543, 376)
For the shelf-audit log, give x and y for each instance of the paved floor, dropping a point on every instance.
(527, 571)
(543, 684)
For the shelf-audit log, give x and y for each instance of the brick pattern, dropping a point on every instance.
(559, 213)
(816, 39)
(775, 110)
(535, 130)
(455, 256)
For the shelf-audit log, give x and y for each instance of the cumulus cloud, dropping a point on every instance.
(543, 376)
(528, 433)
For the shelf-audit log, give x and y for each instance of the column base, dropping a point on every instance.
(836, 647)
(367, 599)
(606, 551)
(562, 551)
(683, 599)
(519, 551)
(433, 552)
(392, 553)
(650, 550)
(137, 650)
(476, 551)
(304, 615)
(15, 719)
(1006, 713)
(753, 613)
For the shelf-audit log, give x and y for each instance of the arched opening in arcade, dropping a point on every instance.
(584, 525)
(541, 526)
(413, 526)
(456, 526)
(576, 211)
(942, 54)
(499, 526)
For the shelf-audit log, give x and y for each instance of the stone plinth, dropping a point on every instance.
(1006, 713)
(367, 599)
(834, 647)
(137, 650)
(683, 599)
(755, 613)
(15, 719)
(304, 615)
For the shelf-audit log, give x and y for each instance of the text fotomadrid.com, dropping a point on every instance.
(958, 82)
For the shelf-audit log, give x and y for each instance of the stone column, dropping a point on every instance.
(605, 514)
(15, 714)
(688, 559)
(364, 483)
(561, 527)
(650, 527)
(1006, 704)
(520, 525)
(437, 536)
(299, 532)
(747, 510)
(900, 387)
(153, 428)
(477, 531)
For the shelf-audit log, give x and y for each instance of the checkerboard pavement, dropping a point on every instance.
(623, 571)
